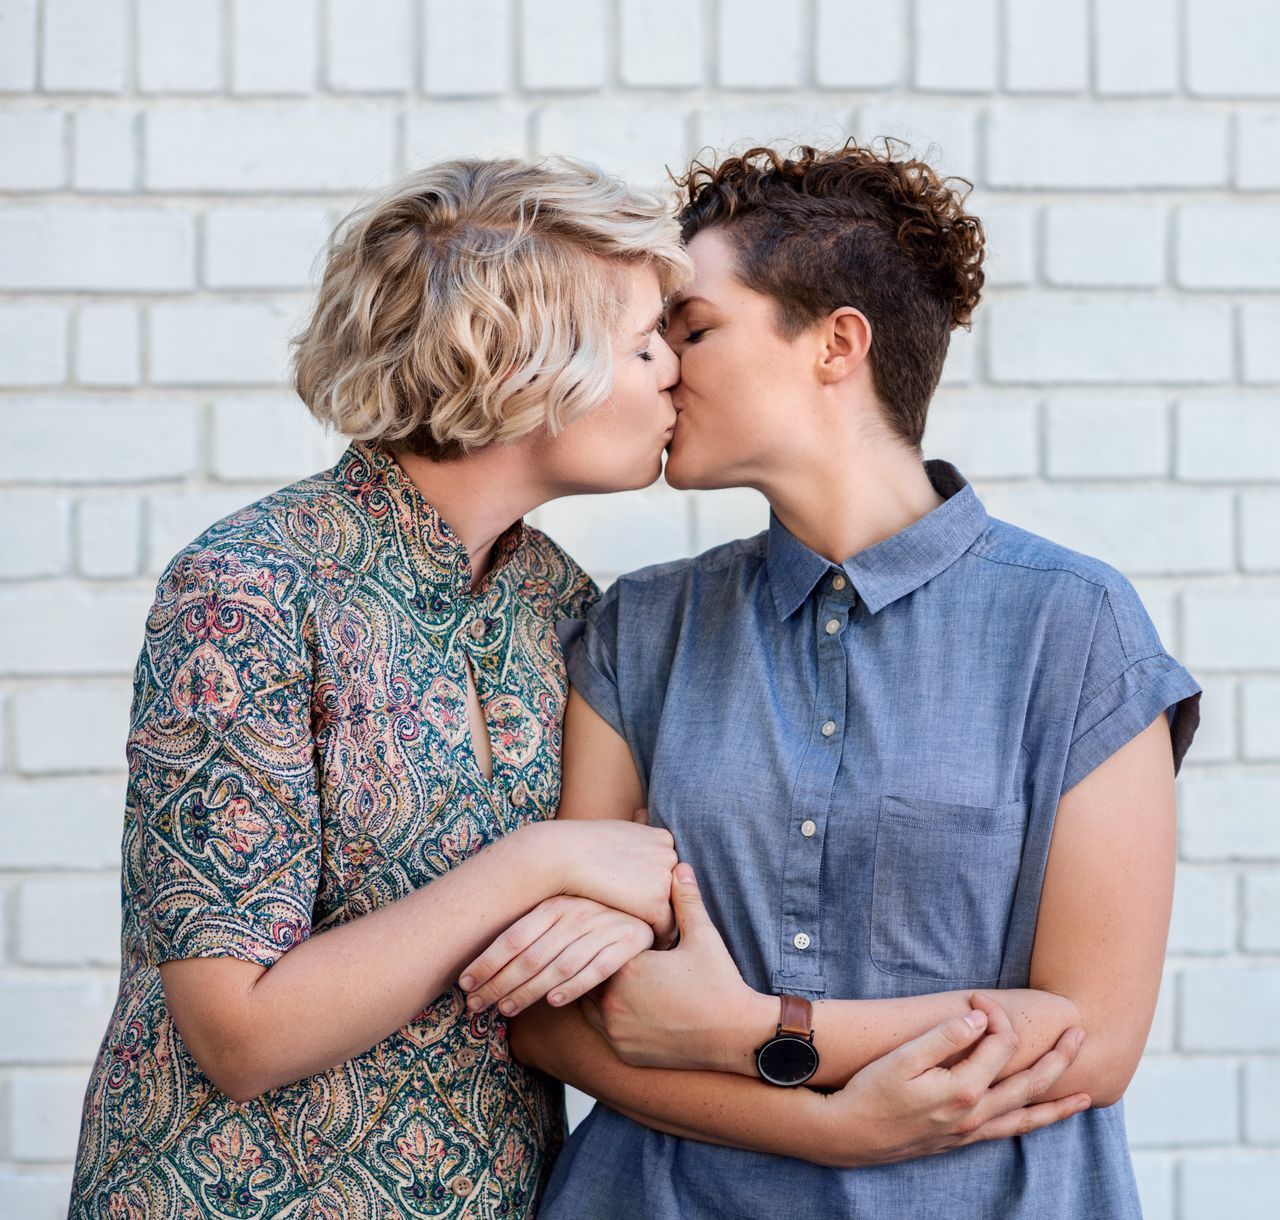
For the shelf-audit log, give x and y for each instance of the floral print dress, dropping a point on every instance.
(299, 755)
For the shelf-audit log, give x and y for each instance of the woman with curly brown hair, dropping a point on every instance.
(912, 752)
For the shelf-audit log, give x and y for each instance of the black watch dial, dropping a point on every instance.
(787, 1060)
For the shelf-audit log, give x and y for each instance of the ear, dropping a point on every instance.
(846, 339)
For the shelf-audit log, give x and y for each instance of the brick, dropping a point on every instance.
(745, 59)
(34, 1194)
(265, 438)
(466, 47)
(107, 345)
(52, 630)
(273, 47)
(1261, 932)
(1258, 150)
(722, 516)
(466, 129)
(1217, 736)
(1100, 435)
(859, 46)
(1252, 611)
(1260, 530)
(59, 824)
(45, 1113)
(960, 366)
(1230, 816)
(942, 134)
(662, 43)
(175, 520)
(1213, 1017)
(69, 921)
(17, 60)
(1154, 1174)
(1160, 597)
(179, 46)
(1088, 146)
(32, 150)
(562, 44)
(1105, 245)
(617, 533)
(956, 45)
(268, 146)
(1121, 341)
(635, 139)
(1260, 698)
(781, 126)
(1262, 1101)
(33, 533)
(105, 156)
(33, 344)
(50, 1019)
(1148, 531)
(1160, 1036)
(1228, 246)
(1185, 1103)
(1233, 47)
(146, 440)
(1203, 910)
(85, 46)
(77, 248)
(1010, 232)
(109, 535)
(1218, 1185)
(1135, 47)
(1259, 326)
(369, 45)
(220, 342)
(1227, 438)
(985, 439)
(1046, 46)
(264, 247)
(70, 727)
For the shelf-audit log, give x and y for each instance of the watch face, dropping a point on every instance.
(787, 1060)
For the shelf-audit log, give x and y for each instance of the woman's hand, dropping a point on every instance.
(564, 946)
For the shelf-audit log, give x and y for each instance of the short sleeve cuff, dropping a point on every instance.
(1120, 712)
(228, 931)
(591, 671)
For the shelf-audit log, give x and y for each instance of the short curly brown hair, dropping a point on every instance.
(883, 233)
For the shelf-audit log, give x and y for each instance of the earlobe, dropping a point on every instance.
(847, 340)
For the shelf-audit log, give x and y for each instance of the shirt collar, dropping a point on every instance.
(892, 568)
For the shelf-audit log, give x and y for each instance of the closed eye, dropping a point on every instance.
(694, 335)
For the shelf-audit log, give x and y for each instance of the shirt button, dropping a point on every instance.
(801, 940)
(476, 628)
(838, 583)
(833, 625)
(808, 828)
(828, 728)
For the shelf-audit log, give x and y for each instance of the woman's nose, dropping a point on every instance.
(668, 364)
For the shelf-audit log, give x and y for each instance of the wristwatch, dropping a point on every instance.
(789, 1058)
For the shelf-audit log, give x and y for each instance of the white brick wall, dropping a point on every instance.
(168, 172)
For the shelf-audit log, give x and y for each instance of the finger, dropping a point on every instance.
(686, 901)
(518, 937)
(972, 1076)
(1026, 1087)
(590, 1009)
(925, 1053)
(1029, 1118)
(531, 962)
(574, 957)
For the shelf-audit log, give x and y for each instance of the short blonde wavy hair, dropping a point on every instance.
(478, 301)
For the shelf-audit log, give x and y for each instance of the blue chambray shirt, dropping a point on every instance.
(863, 764)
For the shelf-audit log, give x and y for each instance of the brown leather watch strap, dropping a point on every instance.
(797, 1016)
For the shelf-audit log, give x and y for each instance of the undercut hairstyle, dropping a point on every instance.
(478, 301)
(881, 233)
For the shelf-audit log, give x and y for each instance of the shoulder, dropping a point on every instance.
(677, 578)
(571, 591)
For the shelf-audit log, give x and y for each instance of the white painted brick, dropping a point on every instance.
(173, 521)
(105, 156)
(45, 1113)
(466, 47)
(1232, 245)
(1046, 46)
(943, 134)
(984, 439)
(960, 366)
(369, 45)
(1231, 816)
(1231, 1008)
(17, 58)
(637, 139)
(179, 46)
(1160, 1036)
(1097, 435)
(1258, 150)
(1252, 611)
(73, 823)
(1262, 1101)
(269, 146)
(1260, 331)
(68, 727)
(1260, 530)
(145, 440)
(1010, 231)
(1181, 1103)
(1155, 530)
(107, 345)
(85, 46)
(93, 249)
(474, 129)
(1261, 700)
(220, 342)
(1233, 47)
(266, 438)
(1203, 909)
(33, 344)
(1216, 737)
(47, 1018)
(1221, 1185)
(859, 46)
(746, 59)
(662, 43)
(956, 45)
(109, 535)
(616, 533)
(1160, 597)
(562, 44)
(1126, 341)
(1262, 911)
(1136, 47)
(1227, 438)
(264, 247)
(51, 630)
(1075, 145)
(722, 516)
(273, 47)
(1108, 245)
(1154, 1174)
(729, 128)
(34, 1194)
(69, 921)
(32, 149)
(33, 533)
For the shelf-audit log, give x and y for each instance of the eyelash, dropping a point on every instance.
(694, 335)
(646, 356)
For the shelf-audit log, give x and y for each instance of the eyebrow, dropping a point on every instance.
(648, 330)
(681, 302)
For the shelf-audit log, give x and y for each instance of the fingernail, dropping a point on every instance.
(508, 1006)
(556, 998)
(684, 874)
(466, 982)
(1082, 1105)
(475, 1003)
(976, 1019)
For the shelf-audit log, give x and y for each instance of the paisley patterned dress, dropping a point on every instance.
(299, 755)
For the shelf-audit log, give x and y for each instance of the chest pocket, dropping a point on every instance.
(942, 888)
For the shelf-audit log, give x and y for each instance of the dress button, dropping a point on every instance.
(801, 940)
(462, 1186)
(519, 794)
(838, 583)
(477, 628)
(828, 728)
(808, 828)
(833, 625)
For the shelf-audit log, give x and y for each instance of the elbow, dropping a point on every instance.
(229, 1065)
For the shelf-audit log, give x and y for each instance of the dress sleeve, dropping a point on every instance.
(223, 788)
(1129, 680)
